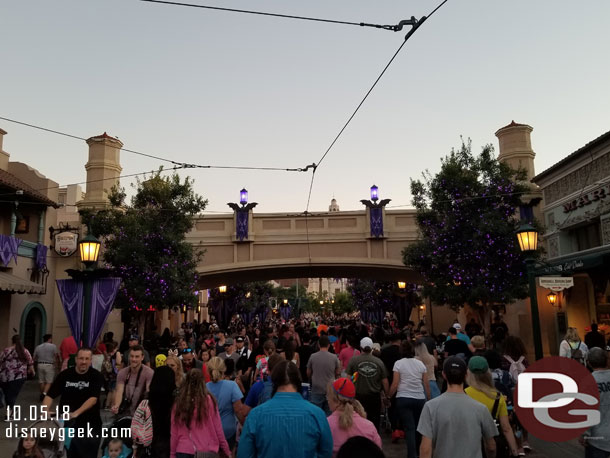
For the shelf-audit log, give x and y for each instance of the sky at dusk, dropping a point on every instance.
(219, 88)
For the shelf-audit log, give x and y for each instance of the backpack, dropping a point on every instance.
(142, 425)
(576, 353)
(516, 367)
(265, 394)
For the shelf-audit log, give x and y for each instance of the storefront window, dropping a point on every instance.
(586, 237)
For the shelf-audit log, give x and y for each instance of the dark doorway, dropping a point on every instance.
(32, 335)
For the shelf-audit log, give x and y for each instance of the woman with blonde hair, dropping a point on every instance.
(481, 388)
(176, 365)
(572, 347)
(228, 395)
(195, 421)
(422, 354)
(348, 418)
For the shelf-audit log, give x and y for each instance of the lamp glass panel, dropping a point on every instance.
(89, 251)
(402, 284)
(528, 240)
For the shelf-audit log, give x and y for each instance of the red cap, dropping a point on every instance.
(344, 387)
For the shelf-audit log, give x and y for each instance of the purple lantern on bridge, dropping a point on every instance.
(243, 196)
(374, 193)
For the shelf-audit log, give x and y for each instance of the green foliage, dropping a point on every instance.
(245, 297)
(144, 242)
(466, 214)
(343, 303)
(371, 295)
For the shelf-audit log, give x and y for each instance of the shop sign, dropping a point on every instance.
(587, 199)
(556, 283)
(66, 243)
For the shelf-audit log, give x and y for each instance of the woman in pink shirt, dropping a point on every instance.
(196, 425)
(348, 353)
(348, 418)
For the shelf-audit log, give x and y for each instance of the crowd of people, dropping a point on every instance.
(304, 387)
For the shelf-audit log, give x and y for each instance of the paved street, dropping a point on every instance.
(29, 396)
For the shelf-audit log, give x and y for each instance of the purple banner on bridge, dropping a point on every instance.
(71, 295)
(104, 291)
(376, 221)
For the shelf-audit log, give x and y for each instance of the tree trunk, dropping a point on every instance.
(485, 319)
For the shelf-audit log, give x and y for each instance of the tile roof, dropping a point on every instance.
(11, 181)
(580, 151)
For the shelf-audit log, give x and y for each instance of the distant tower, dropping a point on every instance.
(333, 207)
(103, 170)
(516, 148)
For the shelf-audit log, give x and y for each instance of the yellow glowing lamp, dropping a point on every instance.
(552, 297)
(89, 248)
(222, 289)
(402, 284)
(528, 238)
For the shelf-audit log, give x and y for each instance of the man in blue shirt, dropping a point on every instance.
(287, 425)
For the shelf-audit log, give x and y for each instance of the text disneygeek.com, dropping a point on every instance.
(14, 432)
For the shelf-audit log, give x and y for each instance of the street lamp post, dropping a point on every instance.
(222, 290)
(528, 243)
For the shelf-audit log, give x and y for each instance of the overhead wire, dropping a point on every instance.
(415, 26)
(394, 28)
(185, 165)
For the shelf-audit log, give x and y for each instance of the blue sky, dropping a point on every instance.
(219, 88)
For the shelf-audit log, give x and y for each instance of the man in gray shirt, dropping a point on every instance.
(453, 425)
(46, 357)
(597, 438)
(323, 368)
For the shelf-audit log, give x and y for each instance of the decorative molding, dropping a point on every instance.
(590, 173)
(553, 246)
(605, 232)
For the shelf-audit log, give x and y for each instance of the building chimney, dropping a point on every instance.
(516, 148)
(4, 156)
(103, 170)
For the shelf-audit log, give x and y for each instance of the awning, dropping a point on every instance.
(14, 284)
(576, 262)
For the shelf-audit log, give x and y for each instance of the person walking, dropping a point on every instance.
(195, 422)
(132, 383)
(46, 357)
(594, 338)
(421, 354)
(411, 386)
(79, 388)
(348, 353)
(287, 425)
(455, 418)
(323, 368)
(15, 365)
(597, 438)
(572, 347)
(371, 381)
(160, 401)
(348, 418)
(482, 389)
(228, 398)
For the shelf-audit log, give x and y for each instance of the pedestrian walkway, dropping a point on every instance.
(30, 396)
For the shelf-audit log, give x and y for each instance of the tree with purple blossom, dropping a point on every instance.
(145, 243)
(466, 214)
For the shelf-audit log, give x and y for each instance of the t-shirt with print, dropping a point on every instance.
(12, 367)
(226, 393)
(324, 367)
(371, 372)
(602, 430)
(456, 424)
(75, 389)
(132, 392)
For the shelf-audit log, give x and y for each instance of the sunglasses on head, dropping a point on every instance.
(187, 350)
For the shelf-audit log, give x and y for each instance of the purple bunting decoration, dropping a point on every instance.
(376, 221)
(41, 256)
(104, 291)
(8, 248)
(71, 295)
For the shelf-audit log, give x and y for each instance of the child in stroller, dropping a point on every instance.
(48, 444)
(115, 431)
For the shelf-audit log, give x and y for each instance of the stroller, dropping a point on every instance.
(50, 448)
(118, 425)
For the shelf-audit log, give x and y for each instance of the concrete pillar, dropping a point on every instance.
(103, 170)
(4, 156)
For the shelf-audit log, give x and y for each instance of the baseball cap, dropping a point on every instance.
(478, 365)
(366, 342)
(455, 365)
(344, 387)
(457, 326)
(239, 339)
(376, 346)
(134, 337)
(228, 341)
